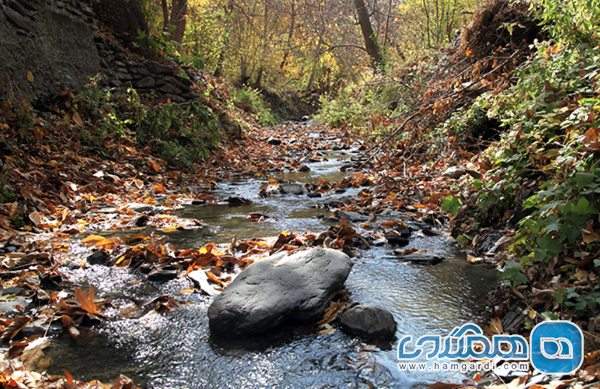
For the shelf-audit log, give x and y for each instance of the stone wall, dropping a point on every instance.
(123, 71)
(46, 46)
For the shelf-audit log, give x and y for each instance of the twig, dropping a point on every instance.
(389, 137)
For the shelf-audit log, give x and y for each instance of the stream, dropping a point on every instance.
(175, 349)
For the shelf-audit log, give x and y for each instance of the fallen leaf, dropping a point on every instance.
(35, 218)
(16, 349)
(92, 239)
(87, 300)
(29, 76)
(77, 119)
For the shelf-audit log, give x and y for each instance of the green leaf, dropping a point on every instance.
(551, 245)
(583, 179)
(451, 204)
(514, 265)
(550, 315)
(539, 255)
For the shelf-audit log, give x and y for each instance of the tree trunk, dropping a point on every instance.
(178, 18)
(371, 43)
(165, 8)
(290, 35)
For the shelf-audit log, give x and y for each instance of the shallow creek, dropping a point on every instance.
(175, 350)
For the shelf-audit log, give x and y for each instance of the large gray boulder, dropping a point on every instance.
(369, 321)
(277, 289)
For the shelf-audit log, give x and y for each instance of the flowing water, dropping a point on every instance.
(175, 350)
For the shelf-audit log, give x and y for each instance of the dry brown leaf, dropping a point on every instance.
(87, 300)
(123, 382)
(77, 119)
(29, 76)
(35, 218)
(495, 327)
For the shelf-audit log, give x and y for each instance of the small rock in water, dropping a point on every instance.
(369, 321)
(353, 217)
(336, 202)
(162, 275)
(421, 258)
(97, 258)
(292, 188)
(397, 239)
(274, 141)
(313, 195)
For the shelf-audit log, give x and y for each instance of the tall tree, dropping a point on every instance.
(371, 43)
(179, 10)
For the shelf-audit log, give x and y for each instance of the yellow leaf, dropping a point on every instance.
(169, 229)
(77, 119)
(272, 181)
(207, 249)
(92, 239)
(29, 76)
(104, 242)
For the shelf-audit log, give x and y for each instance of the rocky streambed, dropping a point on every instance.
(177, 348)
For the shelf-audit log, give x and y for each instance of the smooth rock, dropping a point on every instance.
(353, 217)
(369, 321)
(277, 289)
(404, 231)
(139, 208)
(454, 172)
(292, 188)
(97, 258)
(162, 275)
(336, 202)
(314, 195)
(274, 141)
(421, 258)
(397, 239)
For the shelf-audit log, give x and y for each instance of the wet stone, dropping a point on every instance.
(369, 321)
(336, 202)
(353, 217)
(277, 289)
(274, 141)
(162, 275)
(97, 258)
(421, 259)
(292, 188)
(397, 239)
